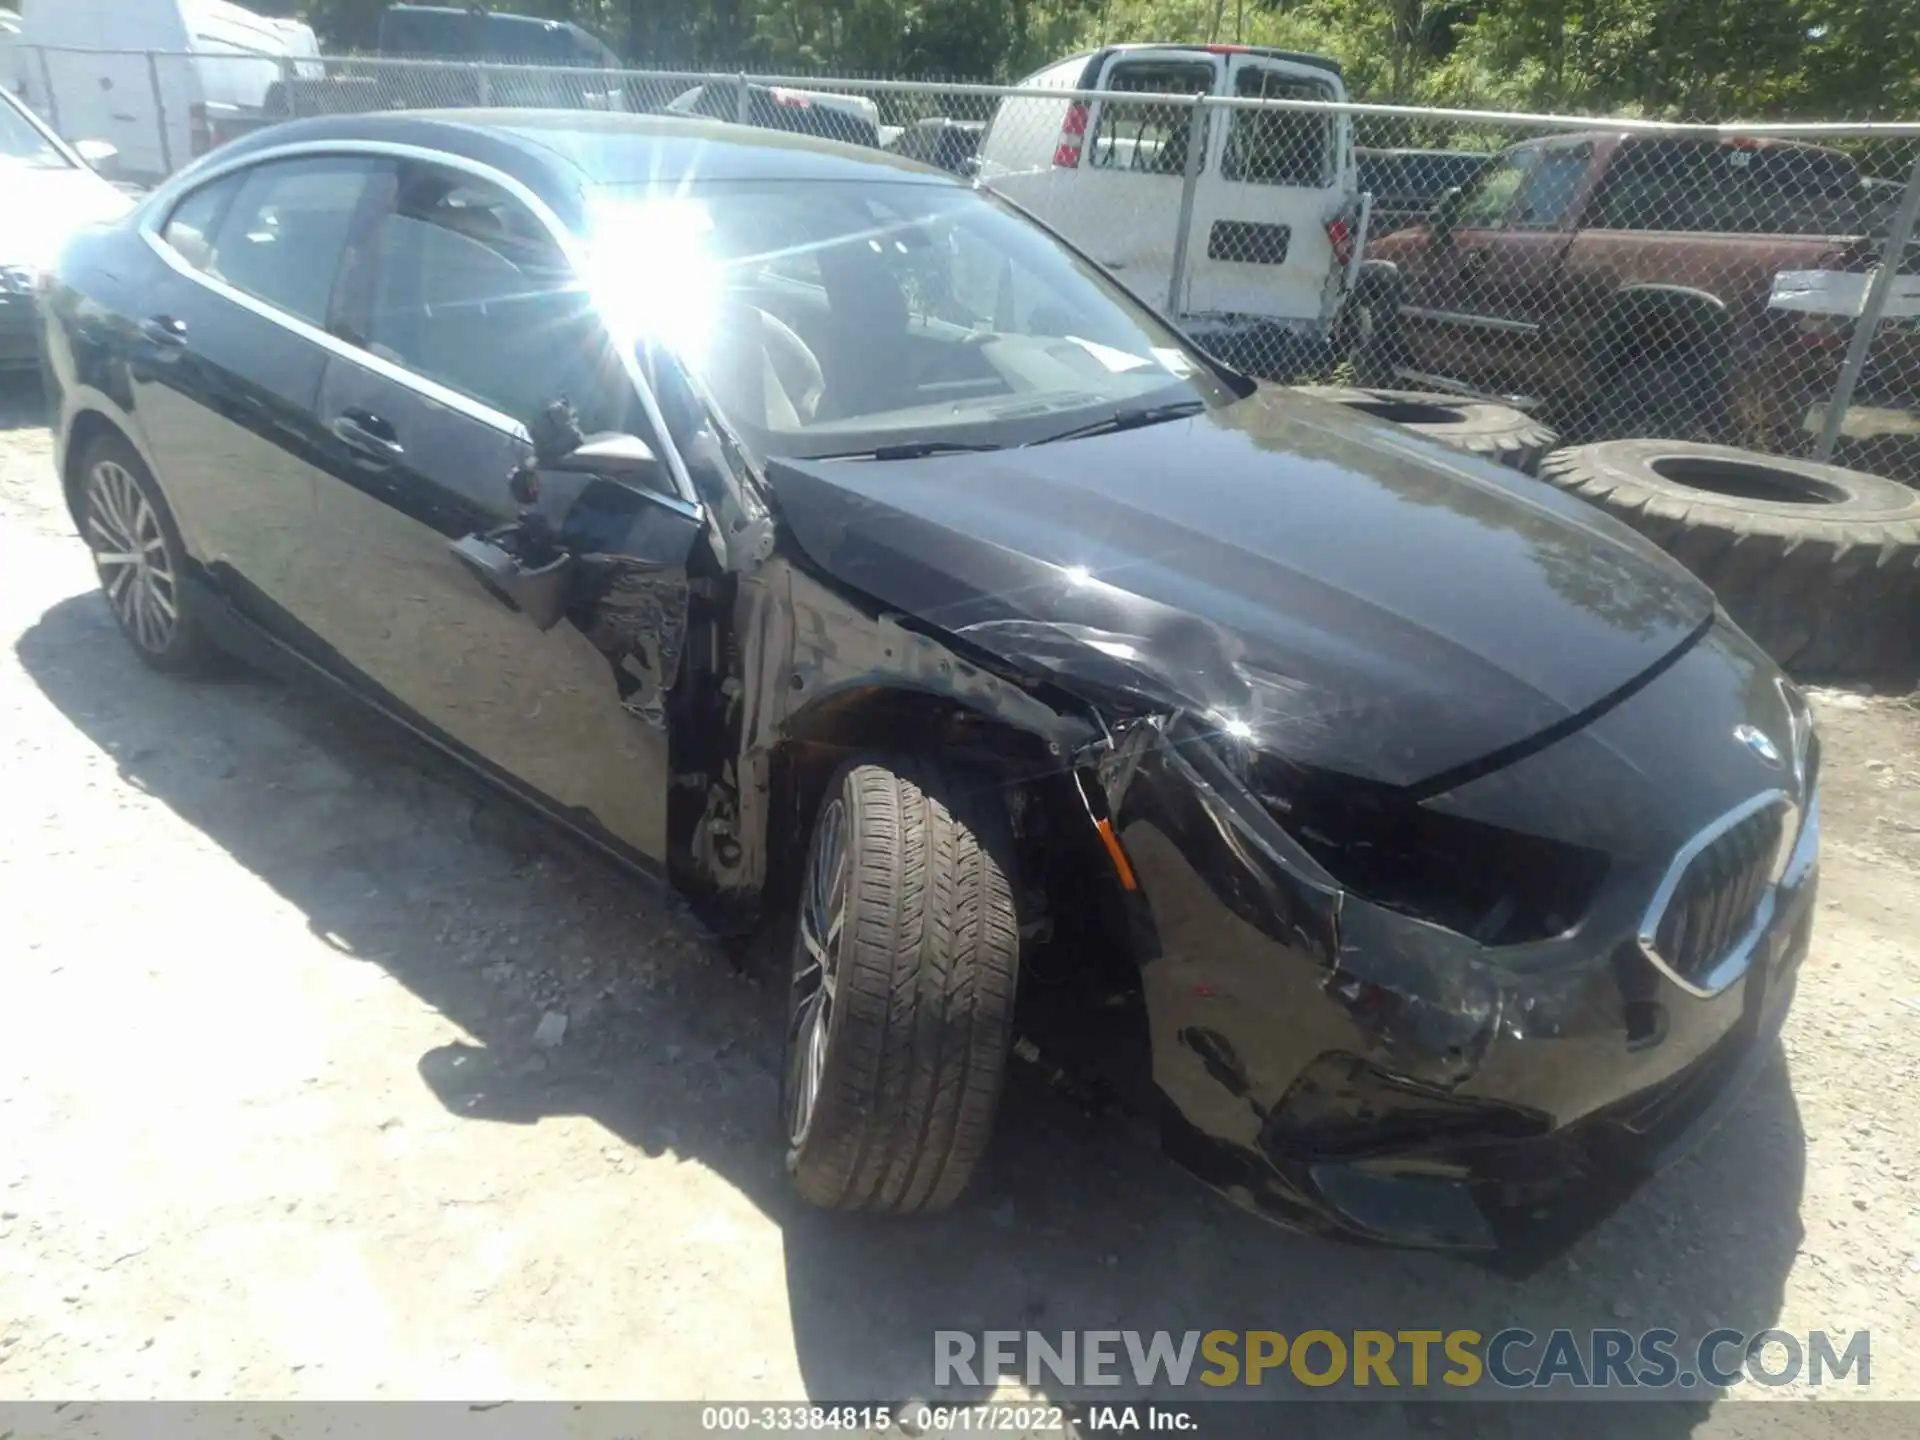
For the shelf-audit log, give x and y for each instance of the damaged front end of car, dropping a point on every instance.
(1374, 1013)
(1387, 1023)
(1429, 941)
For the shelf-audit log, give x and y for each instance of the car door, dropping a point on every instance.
(100, 95)
(537, 622)
(226, 363)
(1518, 291)
(1274, 179)
(1122, 205)
(1447, 320)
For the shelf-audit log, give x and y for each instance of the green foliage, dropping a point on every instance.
(1712, 59)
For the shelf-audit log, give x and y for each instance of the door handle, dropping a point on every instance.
(164, 330)
(369, 434)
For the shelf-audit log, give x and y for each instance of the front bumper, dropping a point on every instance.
(1369, 1076)
(1494, 1179)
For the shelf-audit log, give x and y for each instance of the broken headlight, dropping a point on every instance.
(1495, 886)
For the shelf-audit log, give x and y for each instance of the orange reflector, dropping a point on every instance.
(1120, 865)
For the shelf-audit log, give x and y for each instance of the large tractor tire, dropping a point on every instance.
(1820, 565)
(1497, 432)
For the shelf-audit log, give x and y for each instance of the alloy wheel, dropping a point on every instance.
(130, 552)
(816, 964)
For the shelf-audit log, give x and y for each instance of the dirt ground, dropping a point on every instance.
(274, 1124)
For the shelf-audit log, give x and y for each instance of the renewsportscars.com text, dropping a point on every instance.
(1512, 1359)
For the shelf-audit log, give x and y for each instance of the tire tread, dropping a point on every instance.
(928, 974)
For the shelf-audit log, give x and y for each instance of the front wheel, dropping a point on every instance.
(905, 961)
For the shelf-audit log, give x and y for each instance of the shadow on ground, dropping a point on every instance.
(23, 403)
(1076, 1222)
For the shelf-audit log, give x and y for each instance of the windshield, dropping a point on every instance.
(834, 318)
(22, 143)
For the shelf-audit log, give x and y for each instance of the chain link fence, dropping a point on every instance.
(1758, 284)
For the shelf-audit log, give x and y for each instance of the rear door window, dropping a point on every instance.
(1279, 147)
(280, 235)
(196, 220)
(1143, 136)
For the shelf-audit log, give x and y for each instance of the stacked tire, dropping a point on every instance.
(1819, 565)
(1499, 433)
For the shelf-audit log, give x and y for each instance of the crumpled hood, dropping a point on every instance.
(1332, 587)
(42, 207)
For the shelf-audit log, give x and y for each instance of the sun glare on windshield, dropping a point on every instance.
(655, 274)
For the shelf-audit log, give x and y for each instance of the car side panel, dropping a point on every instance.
(576, 712)
(228, 418)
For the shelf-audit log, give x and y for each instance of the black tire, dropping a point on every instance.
(1681, 397)
(1374, 330)
(1498, 432)
(1820, 565)
(121, 511)
(923, 965)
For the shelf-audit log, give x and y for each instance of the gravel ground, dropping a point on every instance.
(277, 1119)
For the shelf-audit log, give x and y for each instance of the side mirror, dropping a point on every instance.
(612, 455)
(1445, 212)
(97, 153)
(609, 455)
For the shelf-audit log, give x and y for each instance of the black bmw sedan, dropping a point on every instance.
(820, 535)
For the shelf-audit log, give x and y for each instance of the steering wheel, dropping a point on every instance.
(756, 343)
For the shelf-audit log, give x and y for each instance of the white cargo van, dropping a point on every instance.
(215, 62)
(1276, 200)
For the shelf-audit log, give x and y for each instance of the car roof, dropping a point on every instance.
(1266, 52)
(560, 153)
(1742, 142)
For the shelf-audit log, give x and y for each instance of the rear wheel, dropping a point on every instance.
(1375, 329)
(905, 961)
(139, 557)
(1681, 397)
(1658, 368)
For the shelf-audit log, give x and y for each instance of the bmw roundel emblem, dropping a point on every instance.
(1756, 741)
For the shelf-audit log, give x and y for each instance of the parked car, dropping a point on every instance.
(214, 65)
(942, 142)
(1635, 283)
(1275, 201)
(467, 32)
(822, 535)
(535, 61)
(1405, 183)
(48, 190)
(853, 119)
